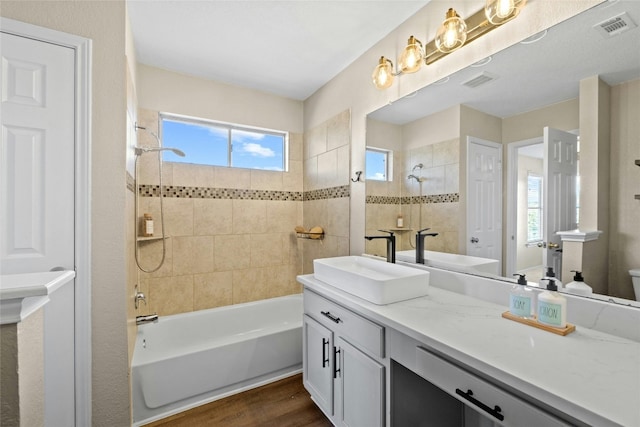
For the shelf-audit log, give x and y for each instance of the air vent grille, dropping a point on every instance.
(615, 25)
(480, 80)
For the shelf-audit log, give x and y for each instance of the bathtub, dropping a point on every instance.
(189, 359)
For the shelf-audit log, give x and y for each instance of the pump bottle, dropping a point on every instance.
(522, 299)
(578, 286)
(552, 307)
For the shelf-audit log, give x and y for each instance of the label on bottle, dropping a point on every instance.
(400, 222)
(148, 227)
(549, 313)
(520, 305)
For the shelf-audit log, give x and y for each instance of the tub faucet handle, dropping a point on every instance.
(139, 297)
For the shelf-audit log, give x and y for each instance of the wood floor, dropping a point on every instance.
(284, 403)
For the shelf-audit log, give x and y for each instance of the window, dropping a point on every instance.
(221, 144)
(378, 164)
(534, 208)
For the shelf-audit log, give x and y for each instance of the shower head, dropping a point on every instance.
(418, 166)
(142, 150)
(417, 178)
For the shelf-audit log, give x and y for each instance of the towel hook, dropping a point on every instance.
(358, 174)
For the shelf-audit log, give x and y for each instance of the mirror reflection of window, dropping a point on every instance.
(378, 164)
(534, 208)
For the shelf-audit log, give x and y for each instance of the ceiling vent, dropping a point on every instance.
(480, 80)
(614, 26)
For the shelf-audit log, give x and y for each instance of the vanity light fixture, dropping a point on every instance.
(500, 11)
(383, 74)
(452, 33)
(412, 56)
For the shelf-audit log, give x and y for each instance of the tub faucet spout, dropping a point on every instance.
(420, 244)
(391, 244)
(147, 318)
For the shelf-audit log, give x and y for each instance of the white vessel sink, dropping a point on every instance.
(462, 263)
(376, 281)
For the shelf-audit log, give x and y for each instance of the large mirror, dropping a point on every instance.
(422, 142)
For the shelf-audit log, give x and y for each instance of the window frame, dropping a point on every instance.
(388, 163)
(229, 127)
(539, 207)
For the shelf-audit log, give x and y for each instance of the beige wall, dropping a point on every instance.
(624, 211)
(104, 23)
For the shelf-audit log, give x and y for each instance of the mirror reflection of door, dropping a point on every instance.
(542, 200)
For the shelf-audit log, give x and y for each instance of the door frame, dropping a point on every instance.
(500, 148)
(512, 198)
(82, 159)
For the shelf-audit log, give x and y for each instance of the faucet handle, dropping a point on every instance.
(391, 233)
(138, 297)
(423, 230)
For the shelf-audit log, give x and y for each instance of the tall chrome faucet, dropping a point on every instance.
(420, 244)
(391, 244)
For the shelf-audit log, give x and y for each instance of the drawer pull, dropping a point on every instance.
(335, 362)
(469, 396)
(325, 354)
(331, 316)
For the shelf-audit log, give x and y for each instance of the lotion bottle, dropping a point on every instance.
(552, 307)
(522, 299)
(578, 286)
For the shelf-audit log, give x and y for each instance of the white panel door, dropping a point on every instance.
(559, 192)
(37, 200)
(484, 199)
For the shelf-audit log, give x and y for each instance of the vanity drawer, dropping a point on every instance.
(486, 398)
(359, 331)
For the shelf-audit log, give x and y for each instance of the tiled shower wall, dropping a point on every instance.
(433, 203)
(230, 231)
(326, 188)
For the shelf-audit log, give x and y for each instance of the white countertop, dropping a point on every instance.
(589, 375)
(23, 294)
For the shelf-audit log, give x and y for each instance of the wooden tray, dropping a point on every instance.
(532, 322)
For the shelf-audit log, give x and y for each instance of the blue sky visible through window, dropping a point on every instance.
(376, 165)
(209, 145)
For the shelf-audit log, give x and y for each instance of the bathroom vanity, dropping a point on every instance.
(450, 359)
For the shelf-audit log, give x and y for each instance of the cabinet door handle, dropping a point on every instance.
(336, 350)
(331, 316)
(469, 396)
(325, 354)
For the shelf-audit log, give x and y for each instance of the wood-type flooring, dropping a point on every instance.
(285, 403)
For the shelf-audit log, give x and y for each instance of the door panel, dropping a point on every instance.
(484, 201)
(560, 198)
(37, 190)
(318, 364)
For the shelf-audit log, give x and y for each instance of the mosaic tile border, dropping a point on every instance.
(241, 194)
(396, 200)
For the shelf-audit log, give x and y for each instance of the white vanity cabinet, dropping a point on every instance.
(343, 367)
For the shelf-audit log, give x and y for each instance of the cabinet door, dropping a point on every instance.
(317, 363)
(360, 394)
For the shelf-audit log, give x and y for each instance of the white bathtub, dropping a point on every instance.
(189, 359)
(455, 262)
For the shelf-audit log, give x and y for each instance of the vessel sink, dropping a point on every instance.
(373, 280)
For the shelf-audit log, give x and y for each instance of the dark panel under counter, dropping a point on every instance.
(415, 402)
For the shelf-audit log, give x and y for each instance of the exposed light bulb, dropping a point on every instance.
(452, 33)
(500, 11)
(412, 56)
(383, 74)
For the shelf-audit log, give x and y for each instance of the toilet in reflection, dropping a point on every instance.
(635, 277)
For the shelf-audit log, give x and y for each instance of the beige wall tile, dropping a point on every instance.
(327, 169)
(296, 147)
(343, 166)
(293, 179)
(232, 177)
(267, 249)
(266, 180)
(150, 256)
(249, 216)
(339, 130)
(212, 290)
(338, 217)
(446, 153)
(434, 183)
(310, 171)
(282, 216)
(193, 254)
(178, 218)
(232, 252)
(249, 285)
(315, 213)
(171, 295)
(212, 216)
(276, 279)
(190, 175)
(315, 141)
(452, 178)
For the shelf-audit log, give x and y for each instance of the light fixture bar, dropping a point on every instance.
(477, 25)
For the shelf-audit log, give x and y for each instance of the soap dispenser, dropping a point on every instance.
(550, 275)
(578, 286)
(552, 307)
(522, 299)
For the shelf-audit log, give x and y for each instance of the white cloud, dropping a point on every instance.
(257, 150)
